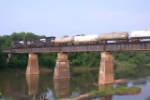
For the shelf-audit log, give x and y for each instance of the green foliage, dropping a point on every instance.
(6, 40)
(148, 98)
(84, 59)
(47, 60)
(17, 62)
(2, 60)
(0, 93)
(116, 90)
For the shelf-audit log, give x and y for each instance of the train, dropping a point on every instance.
(117, 37)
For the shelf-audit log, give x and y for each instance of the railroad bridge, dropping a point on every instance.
(62, 70)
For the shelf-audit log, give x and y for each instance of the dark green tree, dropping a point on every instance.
(2, 61)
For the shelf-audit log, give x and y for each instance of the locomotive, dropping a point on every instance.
(117, 37)
(37, 42)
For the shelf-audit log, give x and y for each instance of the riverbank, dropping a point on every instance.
(120, 90)
(47, 70)
(83, 69)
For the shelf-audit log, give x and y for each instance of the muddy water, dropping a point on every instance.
(35, 87)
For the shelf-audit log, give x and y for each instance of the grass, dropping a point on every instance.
(117, 90)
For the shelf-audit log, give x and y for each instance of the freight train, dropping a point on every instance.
(117, 37)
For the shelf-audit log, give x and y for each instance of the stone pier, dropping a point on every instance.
(106, 73)
(62, 70)
(33, 66)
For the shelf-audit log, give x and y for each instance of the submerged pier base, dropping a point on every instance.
(62, 70)
(106, 73)
(33, 66)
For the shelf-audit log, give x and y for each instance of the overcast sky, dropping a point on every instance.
(72, 17)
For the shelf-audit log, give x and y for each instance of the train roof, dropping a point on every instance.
(51, 37)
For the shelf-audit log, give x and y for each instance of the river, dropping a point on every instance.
(18, 86)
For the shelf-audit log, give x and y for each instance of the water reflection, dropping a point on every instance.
(61, 87)
(32, 82)
(13, 87)
(109, 97)
(22, 87)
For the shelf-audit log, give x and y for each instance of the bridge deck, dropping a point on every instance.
(140, 46)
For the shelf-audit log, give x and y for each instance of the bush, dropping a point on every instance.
(148, 98)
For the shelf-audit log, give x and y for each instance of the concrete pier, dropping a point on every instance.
(33, 66)
(106, 73)
(62, 70)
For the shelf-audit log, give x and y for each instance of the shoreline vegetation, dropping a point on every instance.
(148, 98)
(0, 93)
(84, 69)
(119, 90)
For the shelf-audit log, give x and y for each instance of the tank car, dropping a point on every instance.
(86, 39)
(117, 36)
(137, 35)
(64, 41)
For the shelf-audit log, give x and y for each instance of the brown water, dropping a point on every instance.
(33, 87)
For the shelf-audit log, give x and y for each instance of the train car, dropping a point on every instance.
(39, 42)
(64, 41)
(86, 39)
(18, 44)
(29, 42)
(50, 41)
(137, 35)
(117, 36)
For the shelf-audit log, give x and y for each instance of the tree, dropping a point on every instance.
(2, 61)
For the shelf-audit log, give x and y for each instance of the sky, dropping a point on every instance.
(72, 17)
